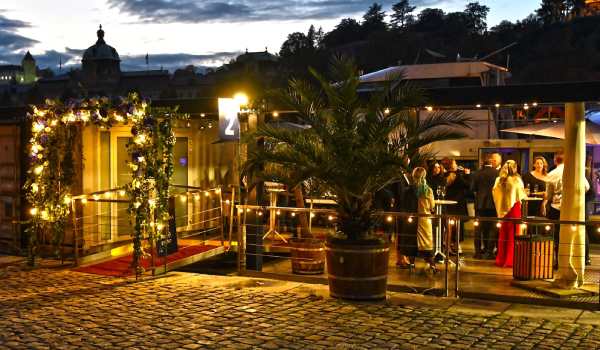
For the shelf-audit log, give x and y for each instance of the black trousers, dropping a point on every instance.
(487, 234)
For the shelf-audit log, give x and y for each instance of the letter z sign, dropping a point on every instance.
(229, 124)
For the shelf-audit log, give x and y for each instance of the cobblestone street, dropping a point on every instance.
(60, 309)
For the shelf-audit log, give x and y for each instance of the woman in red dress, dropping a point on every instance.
(508, 192)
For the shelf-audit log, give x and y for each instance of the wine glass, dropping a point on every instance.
(438, 191)
(443, 192)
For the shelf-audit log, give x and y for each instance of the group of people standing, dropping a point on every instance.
(498, 191)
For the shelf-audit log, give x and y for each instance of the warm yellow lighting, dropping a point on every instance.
(160, 226)
(121, 193)
(96, 197)
(38, 169)
(497, 105)
(37, 127)
(151, 203)
(498, 225)
(119, 118)
(547, 228)
(247, 210)
(137, 205)
(183, 197)
(54, 122)
(218, 190)
(45, 215)
(206, 194)
(598, 229)
(84, 201)
(141, 159)
(410, 219)
(34, 187)
(276, 114)
(241, 99)
(534, 104)
(67, 200)
(294, 215)
(33, 211)
(227, 201)
(260, 213)
(330, 218)
(525, 106)
(196, 196)
(429, 108)
(151, 224)
(140, 139)
(451, 222)
(312, 215)
(278, 212)
(478, 105)
(573, 228)
(386, 111)
(107, 194)
(476, 223)
(202, 115)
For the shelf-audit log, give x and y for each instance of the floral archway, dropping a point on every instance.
(55, 126)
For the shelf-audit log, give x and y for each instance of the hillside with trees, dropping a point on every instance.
(559, 42)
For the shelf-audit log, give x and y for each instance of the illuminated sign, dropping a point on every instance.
(229, 124)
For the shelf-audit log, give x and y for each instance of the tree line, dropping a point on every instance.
(560, 41)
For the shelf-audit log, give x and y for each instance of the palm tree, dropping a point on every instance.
(354, 146)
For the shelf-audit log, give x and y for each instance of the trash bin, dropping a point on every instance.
(533, 258)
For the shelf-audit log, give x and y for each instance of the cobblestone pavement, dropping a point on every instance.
(60, 309)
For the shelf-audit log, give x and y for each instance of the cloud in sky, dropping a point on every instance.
(10, 41)
(190, 11)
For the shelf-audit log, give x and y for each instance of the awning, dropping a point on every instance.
(557, 130)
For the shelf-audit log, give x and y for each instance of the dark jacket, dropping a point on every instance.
(483, 182)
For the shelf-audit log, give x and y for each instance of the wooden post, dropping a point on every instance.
(571, 252)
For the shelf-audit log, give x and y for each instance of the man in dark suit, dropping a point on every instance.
(482, 185)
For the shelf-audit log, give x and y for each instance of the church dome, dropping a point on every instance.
(100, 50)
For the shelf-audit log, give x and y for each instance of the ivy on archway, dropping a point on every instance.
(55, 126)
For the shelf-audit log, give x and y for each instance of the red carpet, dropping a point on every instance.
(122, 266)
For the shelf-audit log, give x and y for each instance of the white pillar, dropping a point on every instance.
(571, 252)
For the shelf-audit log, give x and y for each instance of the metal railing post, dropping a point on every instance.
(75, 242)
(447, 257)
(457, 257)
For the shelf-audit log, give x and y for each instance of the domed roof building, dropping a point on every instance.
(100, 63)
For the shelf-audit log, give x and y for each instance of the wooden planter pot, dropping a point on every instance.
(357, 270)
(308, 256)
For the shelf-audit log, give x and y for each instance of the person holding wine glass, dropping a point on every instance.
(535, 183)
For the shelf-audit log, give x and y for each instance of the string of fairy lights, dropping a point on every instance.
(55, 127)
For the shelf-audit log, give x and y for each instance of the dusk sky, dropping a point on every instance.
(176, 33)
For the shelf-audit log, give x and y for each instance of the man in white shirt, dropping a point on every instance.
(554, 188)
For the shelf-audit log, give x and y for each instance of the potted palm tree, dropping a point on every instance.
(353, 146)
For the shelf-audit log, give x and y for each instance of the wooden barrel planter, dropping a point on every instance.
(308, 256)
(357, 270)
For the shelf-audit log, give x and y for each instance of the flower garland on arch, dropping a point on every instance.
(55, 126)
(151, 151)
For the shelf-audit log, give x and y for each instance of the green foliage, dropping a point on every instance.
(55, 130)
(151, 151)
(354, 146)
(402, 14)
